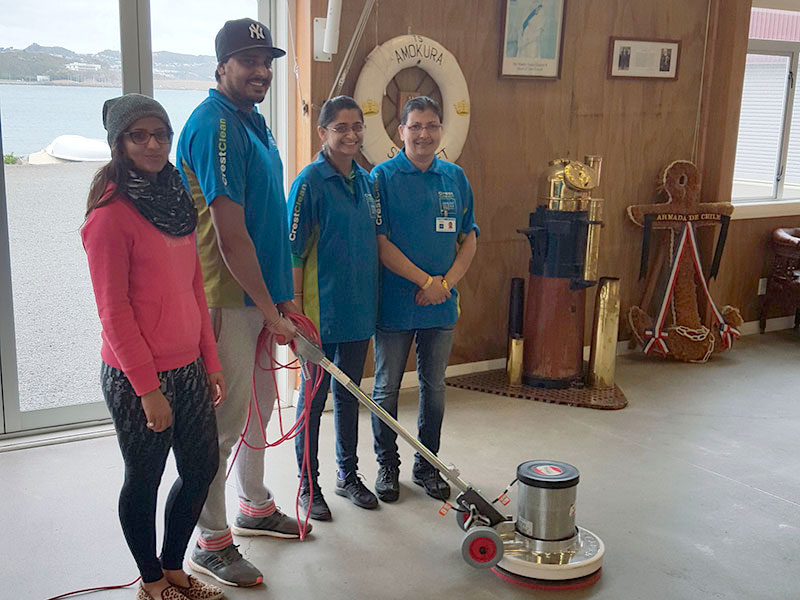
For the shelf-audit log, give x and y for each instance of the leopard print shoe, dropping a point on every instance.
(170, 593)
(200, 590)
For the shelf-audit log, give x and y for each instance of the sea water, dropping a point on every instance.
(32, 116)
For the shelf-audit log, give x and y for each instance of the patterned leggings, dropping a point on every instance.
(193, 439)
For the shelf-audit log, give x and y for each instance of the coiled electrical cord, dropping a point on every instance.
(264, 348)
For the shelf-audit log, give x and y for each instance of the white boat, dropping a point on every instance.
(79, 148)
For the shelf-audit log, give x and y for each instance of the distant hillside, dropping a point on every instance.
(171, 65)
(18, 64)
(54, 50)
(61, 64)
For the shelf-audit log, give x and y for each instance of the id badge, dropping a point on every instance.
(445, 225)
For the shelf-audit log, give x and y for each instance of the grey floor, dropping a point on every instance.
(694, 488)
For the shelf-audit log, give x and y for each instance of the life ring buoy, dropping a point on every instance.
(388, 59)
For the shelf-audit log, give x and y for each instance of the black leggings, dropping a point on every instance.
(193, 438)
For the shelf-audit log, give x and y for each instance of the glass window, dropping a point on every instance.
(55, 74)
(184, 58)
(791, 183)
(768, 149)
(760, 126)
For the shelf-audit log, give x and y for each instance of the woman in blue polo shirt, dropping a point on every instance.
(332, 220)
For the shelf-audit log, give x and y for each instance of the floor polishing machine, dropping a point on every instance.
(542, 548)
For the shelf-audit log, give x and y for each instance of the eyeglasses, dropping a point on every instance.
(142, 137)
(417, 127)
(343, 129)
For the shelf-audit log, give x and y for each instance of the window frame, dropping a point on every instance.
(137, 76)
(777, 206)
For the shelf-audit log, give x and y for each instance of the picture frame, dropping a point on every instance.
(632, 58)
(533, 38)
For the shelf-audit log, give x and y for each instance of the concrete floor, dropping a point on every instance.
(694, 488)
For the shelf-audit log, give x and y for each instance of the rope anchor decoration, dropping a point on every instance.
(677, 330)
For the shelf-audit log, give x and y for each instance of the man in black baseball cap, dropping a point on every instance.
(228, 160)
(244, 61)
(244, 34)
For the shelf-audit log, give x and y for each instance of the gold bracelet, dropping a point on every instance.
(444, 284)
(427, 283)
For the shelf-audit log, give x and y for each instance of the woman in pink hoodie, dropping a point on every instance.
(160, 374)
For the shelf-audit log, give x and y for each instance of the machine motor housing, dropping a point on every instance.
(546, 501)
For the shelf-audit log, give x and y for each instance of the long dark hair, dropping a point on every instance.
(116, 172)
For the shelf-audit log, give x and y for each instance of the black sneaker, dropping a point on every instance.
(387, 484)
(319, 510)
(429, 478)
(352, 487)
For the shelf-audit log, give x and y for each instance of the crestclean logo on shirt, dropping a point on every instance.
(298, 204)
(374, 209)
(222, 148)
(377, 204)
(447, 202)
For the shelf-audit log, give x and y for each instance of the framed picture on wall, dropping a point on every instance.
(634, 58)
(533, 38)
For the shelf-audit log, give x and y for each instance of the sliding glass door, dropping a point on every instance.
(55, 75)
(53, 81)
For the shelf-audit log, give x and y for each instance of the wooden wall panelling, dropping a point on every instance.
(304, 32)
(747, 258)
(518, 125)
(722, 96)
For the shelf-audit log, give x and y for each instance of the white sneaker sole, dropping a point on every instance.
(243, 531)
(200, 569)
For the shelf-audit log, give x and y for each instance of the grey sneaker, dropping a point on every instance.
(276, 525)
(226, 566)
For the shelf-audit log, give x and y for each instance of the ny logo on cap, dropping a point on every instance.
(256, 32)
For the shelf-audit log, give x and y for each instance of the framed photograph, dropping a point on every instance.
(533, 38)
(634, 58)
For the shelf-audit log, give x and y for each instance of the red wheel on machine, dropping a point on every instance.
(482, 547)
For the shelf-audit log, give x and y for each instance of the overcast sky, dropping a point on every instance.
(88, 26)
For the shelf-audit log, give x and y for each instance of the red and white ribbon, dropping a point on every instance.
(656, 336)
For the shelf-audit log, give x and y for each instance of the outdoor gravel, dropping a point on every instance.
(55, 317)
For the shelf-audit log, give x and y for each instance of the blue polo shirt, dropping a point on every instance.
(223, 150)
(425, 214)
(332, 222)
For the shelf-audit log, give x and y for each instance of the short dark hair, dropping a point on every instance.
(331, 109)
(420, 103)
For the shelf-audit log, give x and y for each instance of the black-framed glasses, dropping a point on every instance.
(418, 127)
(142, 137)
(343, 129)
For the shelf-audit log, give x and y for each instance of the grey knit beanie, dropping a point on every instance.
(119, 113)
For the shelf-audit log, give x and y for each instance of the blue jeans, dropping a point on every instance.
(349, 357)
(391, 353)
